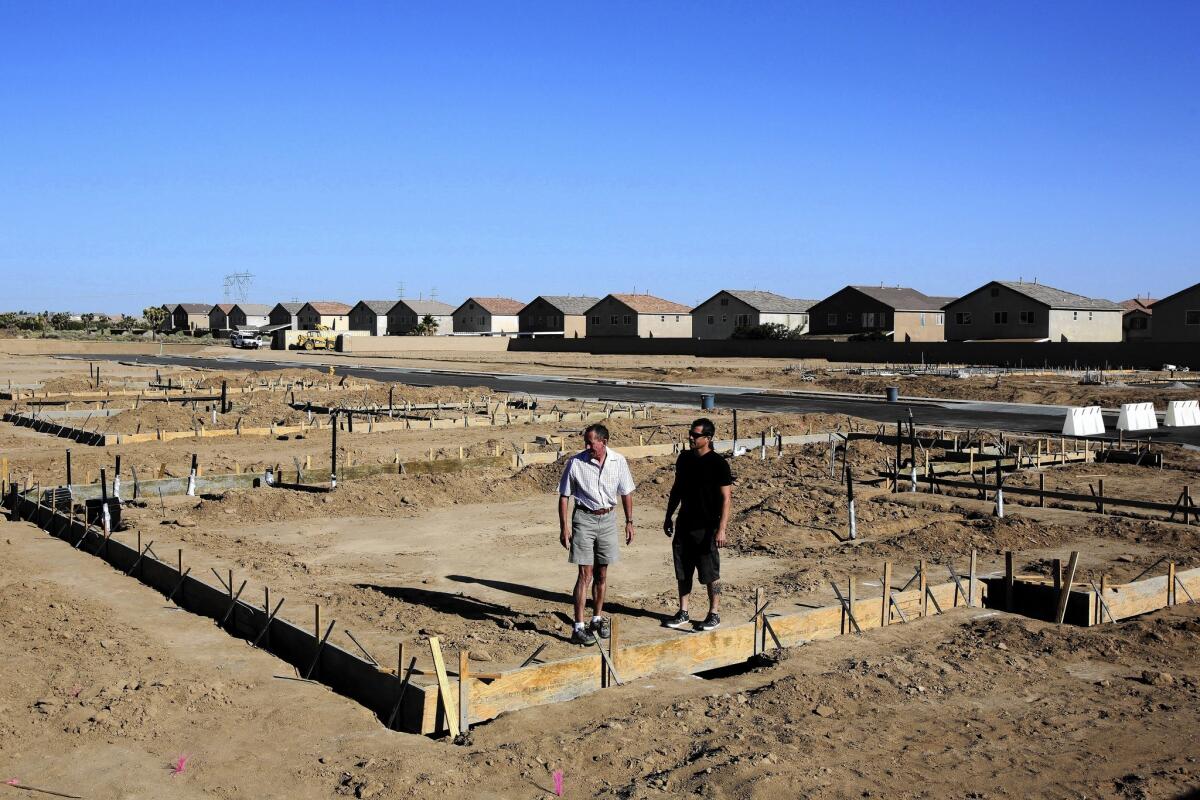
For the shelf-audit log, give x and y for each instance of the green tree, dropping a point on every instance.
(768, 330)
(154, 316)
(427, 327)
(60, 320)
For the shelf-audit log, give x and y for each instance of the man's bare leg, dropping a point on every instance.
(714, 597)
(599, 586)
(581, 591)
(685, 591)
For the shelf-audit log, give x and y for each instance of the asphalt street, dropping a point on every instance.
(1022, 418)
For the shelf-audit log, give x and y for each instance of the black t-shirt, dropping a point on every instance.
(698, 482)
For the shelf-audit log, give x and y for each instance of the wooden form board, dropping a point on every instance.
(682, 654)
(1149, 594)
(1036, 597)
(1032, 491)
(103, 440)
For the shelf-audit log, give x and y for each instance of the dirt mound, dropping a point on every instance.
(375, 395)
(74, 383)
(250, 410)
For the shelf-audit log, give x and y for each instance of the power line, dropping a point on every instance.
(236, 285)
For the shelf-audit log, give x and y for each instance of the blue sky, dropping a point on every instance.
(336, 150)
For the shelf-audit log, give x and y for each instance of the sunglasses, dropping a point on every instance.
(694, 435)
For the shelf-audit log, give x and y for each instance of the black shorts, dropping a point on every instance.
(696, 552)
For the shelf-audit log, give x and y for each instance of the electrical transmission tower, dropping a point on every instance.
(236, 286)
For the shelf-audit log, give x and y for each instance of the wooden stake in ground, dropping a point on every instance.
(758, 604)
(973, 583)
(439, 668)
(923, 586)
(1008, 580)
(1065, 593)
(885, 617)
(464, 676)
(853, 520)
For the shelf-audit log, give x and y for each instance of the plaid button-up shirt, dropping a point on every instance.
(594, 485)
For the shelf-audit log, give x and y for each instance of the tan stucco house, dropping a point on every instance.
(898, 313)
(190, 316)
(1024, 311)
(641, 315)
(1138, 319)
(729, 310)
(488, 315)
(407, 314)
(1177, 316)
(371, 316)
(330, 313)
(249, 315)
(557, 315)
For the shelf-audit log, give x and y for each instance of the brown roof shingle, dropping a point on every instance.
(1138, 304)
(504, 306)
(330, 308)
(901, 298)
(649, 304)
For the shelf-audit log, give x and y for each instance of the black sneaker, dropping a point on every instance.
(680, 620)
(601, 627)
(710, 623)
(582, 636)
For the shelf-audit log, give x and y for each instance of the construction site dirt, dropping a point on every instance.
(109, 689)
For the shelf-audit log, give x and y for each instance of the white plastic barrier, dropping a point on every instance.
(1137, 417)
(1182, 414)
(1083, 422)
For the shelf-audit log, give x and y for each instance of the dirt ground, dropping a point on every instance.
(105, 689)
(106, 686)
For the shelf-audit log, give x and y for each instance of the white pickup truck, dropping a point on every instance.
(247, 340)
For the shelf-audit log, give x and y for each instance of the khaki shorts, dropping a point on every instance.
(594, 539)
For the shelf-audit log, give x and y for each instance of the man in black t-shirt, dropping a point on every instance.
(702, 487)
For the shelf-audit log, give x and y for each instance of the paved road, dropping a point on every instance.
(1024, 418)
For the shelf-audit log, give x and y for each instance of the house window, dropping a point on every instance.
(662, 318)
(481, 319)
(868, 319)
(710, 319)
(831, 319)
(1089, 316)
(677, 318)
(995, 291)
(615, 319)
(724, 301)
(628, 319)
(595, 320)
(742, 320)
(1000, 317)
(1137, 323)
(922, 319)
(1191, 317)
(1026, 317)
(939, 319)
(849, 317)
(724, 318)
(1074, 315)
(962, 318)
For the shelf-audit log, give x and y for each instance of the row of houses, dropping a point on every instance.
(996, 311)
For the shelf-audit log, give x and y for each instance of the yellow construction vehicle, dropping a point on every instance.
(320, 339)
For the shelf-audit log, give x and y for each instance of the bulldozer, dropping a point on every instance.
(322, 338)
